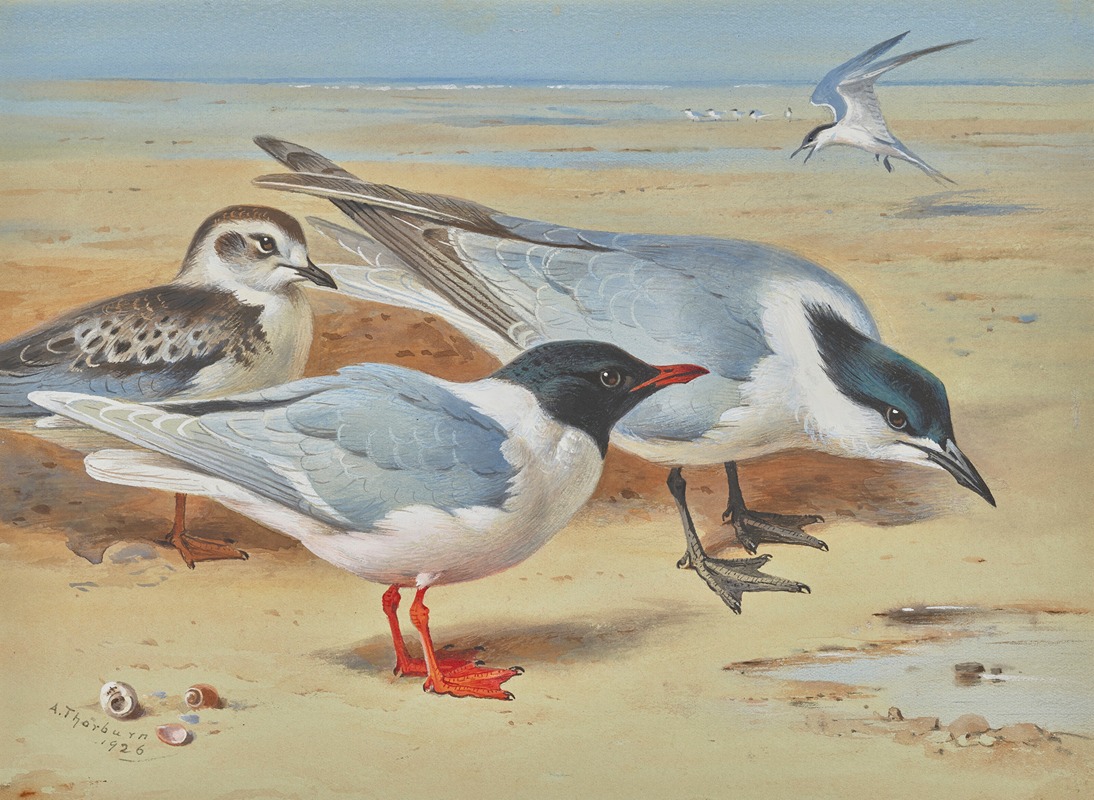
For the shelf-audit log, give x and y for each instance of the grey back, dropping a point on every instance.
(351, 448)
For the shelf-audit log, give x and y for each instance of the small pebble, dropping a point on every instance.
(895, 715)
(192, 719)
(986, 740)
(969, 667)
(972, 724)
(1024, 732)
(964, 741)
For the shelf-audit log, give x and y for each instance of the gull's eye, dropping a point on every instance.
(266, 244)
(896, 418)
(610, 378)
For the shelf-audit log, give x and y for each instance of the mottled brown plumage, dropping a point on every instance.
(233, 320)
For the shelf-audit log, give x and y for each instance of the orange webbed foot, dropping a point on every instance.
(194, 549)
(473, 680)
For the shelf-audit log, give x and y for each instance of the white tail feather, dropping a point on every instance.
(154, 471)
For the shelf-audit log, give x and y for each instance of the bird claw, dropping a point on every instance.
(756, 527)
(731, 578)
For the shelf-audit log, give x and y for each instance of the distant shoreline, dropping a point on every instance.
(470, 84)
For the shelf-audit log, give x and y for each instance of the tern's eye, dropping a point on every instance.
(610, 378)
(896, 418)
(266, 244)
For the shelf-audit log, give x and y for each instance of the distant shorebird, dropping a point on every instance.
(396, 476)
(848, 92)
(715, 116)
(757, 115)
(692, 115)
(789, 114)
(234, 319)
(736, 112)
(794, 354)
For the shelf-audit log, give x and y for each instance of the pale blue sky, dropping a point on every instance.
(518, 41)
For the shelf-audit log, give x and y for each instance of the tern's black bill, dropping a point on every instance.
(951, 459)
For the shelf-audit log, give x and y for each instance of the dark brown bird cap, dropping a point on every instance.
(245, 214)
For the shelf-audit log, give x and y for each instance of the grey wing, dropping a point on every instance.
(664, 299)
(871, 72)
(857, 89)
(140, 346)
(371, 440)
(346, 449)
(827, 91)
(863, 110)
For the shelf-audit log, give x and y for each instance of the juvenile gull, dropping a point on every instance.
(234, 319)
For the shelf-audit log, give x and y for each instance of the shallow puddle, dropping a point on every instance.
(1038, 667)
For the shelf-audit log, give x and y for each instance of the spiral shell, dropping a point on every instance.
(119, 700)
(202, 695)
(173, 734)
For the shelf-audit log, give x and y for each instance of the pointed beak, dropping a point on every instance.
(806, 146)
(317, 276)
(673, 373)
(951, 459)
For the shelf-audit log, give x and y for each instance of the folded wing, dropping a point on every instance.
(146, 346)
(345, 449)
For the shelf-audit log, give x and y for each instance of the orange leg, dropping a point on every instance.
(194, 548)
(470, 680)
(405, 664)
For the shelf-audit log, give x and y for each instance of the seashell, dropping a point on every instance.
(202, 695)
(119, 700)
(174, 735)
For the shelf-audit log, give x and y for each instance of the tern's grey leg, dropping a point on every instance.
(727, 578)
(755, 527)
(888, 166)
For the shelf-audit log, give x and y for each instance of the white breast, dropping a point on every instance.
(558, 469)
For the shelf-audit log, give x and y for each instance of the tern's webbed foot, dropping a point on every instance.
(756, 527)
(731, 578)
(473, 680)
(194, 548)
(728, 578)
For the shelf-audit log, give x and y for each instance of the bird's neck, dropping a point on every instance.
(794, 379)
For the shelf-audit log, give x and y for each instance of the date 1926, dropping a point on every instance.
(129, 743)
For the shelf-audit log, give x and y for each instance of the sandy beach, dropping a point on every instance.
(639, 682)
